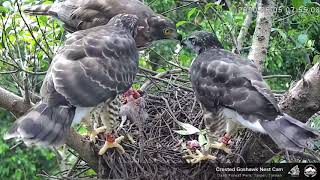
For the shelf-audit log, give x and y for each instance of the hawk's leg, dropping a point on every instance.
(224, 141)
(212, 127)
(108, 114)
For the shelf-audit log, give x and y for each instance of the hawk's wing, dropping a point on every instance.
(79, 15)
(95, 64)
(222, 78)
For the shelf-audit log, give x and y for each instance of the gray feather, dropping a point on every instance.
(290, 134)
(43, 125)
(85, 14)
(83, 80)
(103, 60)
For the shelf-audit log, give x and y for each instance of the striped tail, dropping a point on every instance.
(43, 125)
(40, 10)
(290, 134)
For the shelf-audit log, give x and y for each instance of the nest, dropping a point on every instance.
(157, 152)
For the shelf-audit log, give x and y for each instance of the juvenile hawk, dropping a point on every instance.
(94, 66)
(84, 14)
(231, 91)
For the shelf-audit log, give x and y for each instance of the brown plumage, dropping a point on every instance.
(84, 14)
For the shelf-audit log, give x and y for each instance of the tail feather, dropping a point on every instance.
(39, 10)
(43, 125)
(290, 134)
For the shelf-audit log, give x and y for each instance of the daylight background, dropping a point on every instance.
(27, 45)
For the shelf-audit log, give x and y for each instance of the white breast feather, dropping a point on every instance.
(236, 117)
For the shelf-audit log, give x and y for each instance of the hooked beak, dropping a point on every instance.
(183, 42)
(179, 37)
(175, 36)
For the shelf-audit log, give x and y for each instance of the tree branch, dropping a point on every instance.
(244, 29)
(13, 103)
(303, 99)
(262, 31)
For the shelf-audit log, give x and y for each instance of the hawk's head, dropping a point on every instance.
(127, 22)
(201, 40)
(161, 27)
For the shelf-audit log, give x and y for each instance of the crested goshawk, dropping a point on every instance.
(93, 67)
(84, 14)
(231, 91)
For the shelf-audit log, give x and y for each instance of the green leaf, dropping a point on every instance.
(3, 9)
(208, 6)
(180, 23)
(191, 12)
(316, 59)
(303, 38)
(297, 3)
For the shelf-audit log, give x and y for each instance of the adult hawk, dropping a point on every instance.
(83, 14)
(231, 91)
(94, 66)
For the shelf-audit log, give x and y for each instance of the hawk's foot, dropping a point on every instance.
(112, 142)
(198, 157)
(221, 146)
(93, 134)
(224, 141)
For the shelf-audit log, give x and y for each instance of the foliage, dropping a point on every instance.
(27, 45)
(21, 162)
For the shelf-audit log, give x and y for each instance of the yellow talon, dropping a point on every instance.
(95, 132)
(199, 156)
(112, 144)
(221, 146)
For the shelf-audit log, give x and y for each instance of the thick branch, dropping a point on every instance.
(262, 32)
(303, 99)
(13, 103)
(17, 105)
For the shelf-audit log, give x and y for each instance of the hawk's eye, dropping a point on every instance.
(193, 41)
(167, 31)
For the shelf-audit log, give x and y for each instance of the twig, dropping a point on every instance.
(244, 29)
(148, 83)
(73, 167)
(167, 82)
(277, 76)
(31, 33)
(179, 7)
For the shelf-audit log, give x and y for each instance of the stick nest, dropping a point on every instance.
(157, 152)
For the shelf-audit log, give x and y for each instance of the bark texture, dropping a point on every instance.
(303, 99)
(262, 31)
